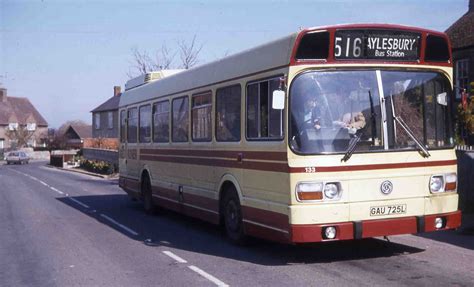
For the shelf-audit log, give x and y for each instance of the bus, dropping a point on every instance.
(331, 133)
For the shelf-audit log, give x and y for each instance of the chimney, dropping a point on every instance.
(117, 91)
(3, 95)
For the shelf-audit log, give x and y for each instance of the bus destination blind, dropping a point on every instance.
(376, 45)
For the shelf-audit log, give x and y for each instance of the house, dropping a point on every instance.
(461, 34)
(105, 122)
(78, 136)
(20, 123)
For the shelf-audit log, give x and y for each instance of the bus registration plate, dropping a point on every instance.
(388, 209)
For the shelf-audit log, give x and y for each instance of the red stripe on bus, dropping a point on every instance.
(253, 165)
(375, 166)
(260, 155)
(385, 227)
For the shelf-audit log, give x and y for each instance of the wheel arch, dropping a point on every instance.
(227, 181)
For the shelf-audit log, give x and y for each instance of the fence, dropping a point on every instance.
(110, 156)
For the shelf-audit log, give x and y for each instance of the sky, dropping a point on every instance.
(66, 56)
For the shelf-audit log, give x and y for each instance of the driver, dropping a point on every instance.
(352, 120)
(311, 114)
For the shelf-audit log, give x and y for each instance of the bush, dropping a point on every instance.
(96, 166)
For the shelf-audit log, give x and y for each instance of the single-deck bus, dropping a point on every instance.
(331, 133)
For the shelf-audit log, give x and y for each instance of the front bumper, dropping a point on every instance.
(304, 233)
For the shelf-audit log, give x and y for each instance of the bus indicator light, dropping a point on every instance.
(451, 182)
(309, 191)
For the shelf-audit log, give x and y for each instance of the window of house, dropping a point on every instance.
(123, 126)
(132, 125)
(180, 124)
(110, 122)
(31, 127)
(161, 126)
(462, 76)
(263, 122)
(201, 117)
(145, 124)
(228, 106)
(97, 121)
(12, 126)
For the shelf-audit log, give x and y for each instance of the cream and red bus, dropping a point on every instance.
(331, 133)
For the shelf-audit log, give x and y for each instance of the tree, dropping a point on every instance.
(189, 52)
(163, 59)
(20, 135)
(143, 63)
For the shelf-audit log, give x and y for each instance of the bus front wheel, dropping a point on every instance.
(233, 218)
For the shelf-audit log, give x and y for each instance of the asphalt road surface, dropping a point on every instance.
(61, 228)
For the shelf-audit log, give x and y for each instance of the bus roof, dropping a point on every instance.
(264, 57)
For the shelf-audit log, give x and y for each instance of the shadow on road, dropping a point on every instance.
(463, 238)
(180, 232)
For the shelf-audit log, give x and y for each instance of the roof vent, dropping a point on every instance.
(149, 77)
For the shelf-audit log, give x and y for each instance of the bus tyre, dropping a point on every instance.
(233, 218)
(147, 196)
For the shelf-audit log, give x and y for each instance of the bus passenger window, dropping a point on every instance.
(132, 125)
(180, 122)
(161, 126)
(122, 125)
(145, 124)
(228, 113)
(263, 122)
(201, 117)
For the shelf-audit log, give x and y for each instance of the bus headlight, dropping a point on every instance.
(436, 184)
(332, 190)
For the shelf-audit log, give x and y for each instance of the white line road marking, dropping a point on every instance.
(43, 183)
(119, 225)
(131, 231)
(78, 202)
(207, 276)
(57, 190)
(175, 257)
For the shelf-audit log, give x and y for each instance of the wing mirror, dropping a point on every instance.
(278, 100)
(442, 99)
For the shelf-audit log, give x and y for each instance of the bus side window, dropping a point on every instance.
(123, 118)
(161, 126)
(263, 122)
(180, 120)
(201, 117)
(132, 128)
(228, 106)
(144, 130)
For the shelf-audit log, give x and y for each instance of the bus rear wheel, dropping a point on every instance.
(147, 196)
(233, 218)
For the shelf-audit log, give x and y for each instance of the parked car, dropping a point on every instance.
(17, 157)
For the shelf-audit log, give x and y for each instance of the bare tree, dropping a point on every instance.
(189, 52)
(143, 63)
(21, 135)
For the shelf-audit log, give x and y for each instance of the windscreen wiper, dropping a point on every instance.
(352, 145)
(407, 129)
(423, 149)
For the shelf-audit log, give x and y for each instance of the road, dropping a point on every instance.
(61, 228)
